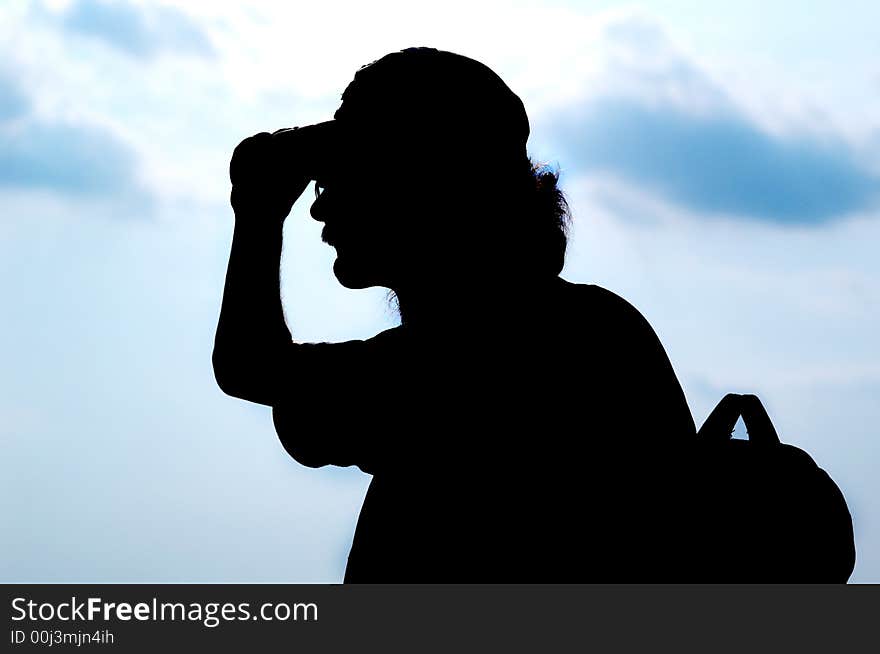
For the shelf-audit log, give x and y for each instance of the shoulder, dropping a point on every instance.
(604, 308)
(385, 338)
(389, 336)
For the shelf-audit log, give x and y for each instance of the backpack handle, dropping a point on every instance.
(720, 423)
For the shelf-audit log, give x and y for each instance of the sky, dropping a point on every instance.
(722, 161)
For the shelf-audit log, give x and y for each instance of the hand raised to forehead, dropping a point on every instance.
(311, 150)
(267, 173)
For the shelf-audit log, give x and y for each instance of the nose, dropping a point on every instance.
(319, 206)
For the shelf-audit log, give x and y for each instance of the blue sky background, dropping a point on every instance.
(723, 165)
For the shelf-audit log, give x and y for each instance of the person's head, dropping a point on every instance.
(433, 183)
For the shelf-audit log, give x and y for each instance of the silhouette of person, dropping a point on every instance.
(518, 427)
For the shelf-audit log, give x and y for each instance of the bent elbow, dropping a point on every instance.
(224, 373)
(239, 380)
(300, 446)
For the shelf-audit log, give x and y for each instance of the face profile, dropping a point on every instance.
(362, 203)
(431, 182)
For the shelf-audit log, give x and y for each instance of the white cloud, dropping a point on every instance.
(136, 29)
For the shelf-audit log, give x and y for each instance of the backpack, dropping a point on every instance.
(764, 512)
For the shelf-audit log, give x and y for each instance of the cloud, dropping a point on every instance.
(70, 158)
(719, 163)
(656, 119)
(13, 102)
(74, 159)
(140, 32)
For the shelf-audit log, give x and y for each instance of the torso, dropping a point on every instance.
(506, 448)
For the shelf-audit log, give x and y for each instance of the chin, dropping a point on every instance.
(352, 276)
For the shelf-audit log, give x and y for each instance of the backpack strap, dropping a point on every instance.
(720, 423)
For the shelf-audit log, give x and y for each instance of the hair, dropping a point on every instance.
(528, 231)
(548, 218)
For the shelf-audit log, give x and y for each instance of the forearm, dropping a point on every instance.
(252, 339)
